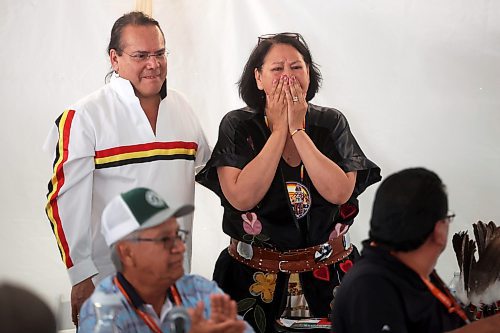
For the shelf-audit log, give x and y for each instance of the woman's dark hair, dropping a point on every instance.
(247, 86)
(132, 18)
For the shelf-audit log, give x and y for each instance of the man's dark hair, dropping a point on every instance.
(406, 208)
(247, 85)
(132, 18)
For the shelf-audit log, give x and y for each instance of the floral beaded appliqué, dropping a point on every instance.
(264, 286)
(251, 223)
(253, 229)
(265, 283)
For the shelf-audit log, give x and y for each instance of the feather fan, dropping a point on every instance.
(479, 276)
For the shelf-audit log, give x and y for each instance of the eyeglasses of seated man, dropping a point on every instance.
(156, 253)
(168, 242)
(449, 217)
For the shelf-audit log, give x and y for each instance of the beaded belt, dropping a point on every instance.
(292, 261)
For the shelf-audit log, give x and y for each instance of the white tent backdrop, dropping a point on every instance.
(419, 82)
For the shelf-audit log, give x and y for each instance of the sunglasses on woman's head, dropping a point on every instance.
(294, 35)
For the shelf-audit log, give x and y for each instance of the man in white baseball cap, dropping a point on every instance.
(147, 249)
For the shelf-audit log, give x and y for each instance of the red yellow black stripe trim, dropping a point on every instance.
(57, 181)
(145, 152)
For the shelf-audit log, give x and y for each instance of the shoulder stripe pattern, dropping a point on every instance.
(57, 181)
(146, 152)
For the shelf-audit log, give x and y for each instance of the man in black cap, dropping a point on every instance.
(394, 287)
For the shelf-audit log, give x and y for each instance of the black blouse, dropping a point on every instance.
(242, 135)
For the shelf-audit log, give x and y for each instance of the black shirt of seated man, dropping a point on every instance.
(379, 287)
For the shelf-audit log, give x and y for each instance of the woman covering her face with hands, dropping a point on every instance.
(288, 174)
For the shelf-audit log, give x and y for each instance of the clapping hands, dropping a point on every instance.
(223, 316)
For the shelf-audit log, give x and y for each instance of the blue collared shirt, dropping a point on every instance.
(192, 289)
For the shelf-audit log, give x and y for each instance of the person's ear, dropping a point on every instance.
(440, 232)
(258, 78)
(125, 254)
(113, 59)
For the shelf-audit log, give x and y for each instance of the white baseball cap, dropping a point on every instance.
(137, 209)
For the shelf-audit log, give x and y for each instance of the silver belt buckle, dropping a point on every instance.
(346, 241)
(279, 266)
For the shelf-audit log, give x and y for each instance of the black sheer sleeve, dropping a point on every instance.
(235, 147)
(334, 139)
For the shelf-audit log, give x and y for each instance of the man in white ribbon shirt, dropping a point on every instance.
(132, 132)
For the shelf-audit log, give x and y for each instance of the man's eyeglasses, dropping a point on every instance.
(449, 217)
(144, 56)
(168, 242)
(294, 35)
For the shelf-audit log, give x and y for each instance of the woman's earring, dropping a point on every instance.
(116, 74)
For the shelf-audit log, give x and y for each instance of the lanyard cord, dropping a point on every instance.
(302, 172)
(150, 322)
(143, 315)
(301, 164)
(174, 293)
(447, 300)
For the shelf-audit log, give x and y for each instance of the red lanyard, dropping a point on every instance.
(448, 301)
(175, 295)
(143, 315)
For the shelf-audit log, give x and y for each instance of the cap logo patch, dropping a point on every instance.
(154, 200)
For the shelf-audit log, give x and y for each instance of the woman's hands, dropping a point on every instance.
(296, 105)
(328, 178)
(276, 106)
(245, 188)
(286, 105)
